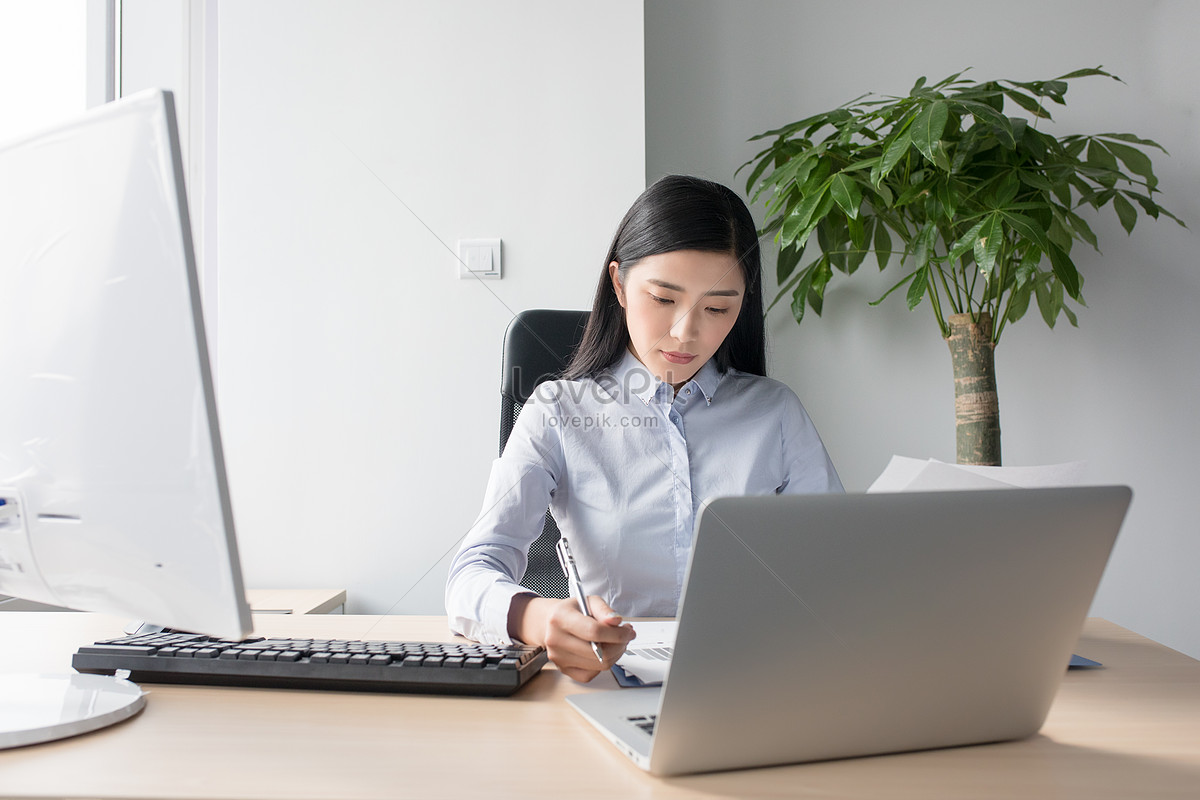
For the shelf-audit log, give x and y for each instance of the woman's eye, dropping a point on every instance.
(662, 301)
(719, 310)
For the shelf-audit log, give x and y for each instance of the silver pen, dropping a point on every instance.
(568, 564)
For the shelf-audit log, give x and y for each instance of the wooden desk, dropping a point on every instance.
(1130, 730)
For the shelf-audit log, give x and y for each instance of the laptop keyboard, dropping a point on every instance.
(645, 722)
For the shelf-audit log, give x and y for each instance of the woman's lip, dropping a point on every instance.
(678, 358)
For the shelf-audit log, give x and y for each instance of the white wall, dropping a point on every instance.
(357, 376)
(1119, 391)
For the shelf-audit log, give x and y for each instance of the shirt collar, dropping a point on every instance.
(706, 380)
(632, 377)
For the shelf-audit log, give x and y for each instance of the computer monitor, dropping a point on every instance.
(113, 495)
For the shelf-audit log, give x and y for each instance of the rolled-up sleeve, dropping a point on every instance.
(484, 576)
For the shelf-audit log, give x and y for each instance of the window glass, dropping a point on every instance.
(43, 63)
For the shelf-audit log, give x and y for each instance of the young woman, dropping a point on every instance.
(665, 404)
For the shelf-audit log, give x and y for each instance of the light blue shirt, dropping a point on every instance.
(624, 464)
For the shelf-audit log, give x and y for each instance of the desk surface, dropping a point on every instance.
(1129, 730)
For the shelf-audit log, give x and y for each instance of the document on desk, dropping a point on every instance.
(904, 474)
(649, 654)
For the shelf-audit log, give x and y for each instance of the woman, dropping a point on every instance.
(665, 404)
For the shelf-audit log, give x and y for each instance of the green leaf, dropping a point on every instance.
(927, 128)
(883, 244)
(789, 257)
(918, 287)
(1101, 158)
(1070, 315)
(802, 218)
(1064, 270)
(1055, 89)
(1083, 73)
(1049, 298)
(1000, 125)
(941, 159)
(1027, 270)
(1019, 302)
(811, 288)
(892, 153)
(1137, 162)
(800, 293)
(1083, 230)
(755, 174)
(832, 237)
(846, 194)
(948, 197)
(1058, 233)
(1036, 180)
(925, 241)
(1028, 103)
(794, 169)
(816, 292)
(1007, 188)
(912, 193)
(966, 242)
(1125, 212)
(1027, 227)
(822, 212)
(898, 284)
(1129, 137)
(987, 243)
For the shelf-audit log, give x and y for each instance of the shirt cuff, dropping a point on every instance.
(492, 627)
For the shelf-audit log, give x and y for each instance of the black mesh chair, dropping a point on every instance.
(537, 347)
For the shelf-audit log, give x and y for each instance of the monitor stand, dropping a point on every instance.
(42, 708)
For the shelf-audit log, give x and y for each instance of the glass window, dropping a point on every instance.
(43, 63)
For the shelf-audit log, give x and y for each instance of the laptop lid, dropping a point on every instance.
(818, 627)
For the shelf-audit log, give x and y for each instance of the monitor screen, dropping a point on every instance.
(113, 495)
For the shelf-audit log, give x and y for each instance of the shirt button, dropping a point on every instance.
(687, 391)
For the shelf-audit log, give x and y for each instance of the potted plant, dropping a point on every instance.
(982, 207)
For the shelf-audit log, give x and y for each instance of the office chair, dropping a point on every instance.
(537, 347)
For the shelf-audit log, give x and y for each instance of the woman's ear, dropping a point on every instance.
(615, 276)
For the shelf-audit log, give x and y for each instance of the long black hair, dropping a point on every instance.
(679, 212)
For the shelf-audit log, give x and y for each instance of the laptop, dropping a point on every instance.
(829, 626)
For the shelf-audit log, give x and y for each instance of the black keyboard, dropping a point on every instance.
(338, 664)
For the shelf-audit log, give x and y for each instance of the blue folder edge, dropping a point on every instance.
(627, 681)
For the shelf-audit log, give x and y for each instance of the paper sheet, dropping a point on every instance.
(649, 654)
(904, 474)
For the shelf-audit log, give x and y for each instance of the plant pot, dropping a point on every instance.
(976, 407)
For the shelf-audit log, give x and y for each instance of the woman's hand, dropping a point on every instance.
(567, 633)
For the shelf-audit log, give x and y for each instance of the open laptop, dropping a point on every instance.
(827, 626)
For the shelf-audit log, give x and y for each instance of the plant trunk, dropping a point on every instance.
(976, 407)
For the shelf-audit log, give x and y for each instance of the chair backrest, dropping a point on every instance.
(537, 347)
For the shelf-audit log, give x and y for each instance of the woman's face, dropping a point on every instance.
(679, 307)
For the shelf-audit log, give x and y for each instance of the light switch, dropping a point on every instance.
(479, 259)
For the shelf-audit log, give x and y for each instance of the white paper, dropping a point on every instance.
(904, 474)
(649, 654)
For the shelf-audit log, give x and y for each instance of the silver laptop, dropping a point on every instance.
(828, 626)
